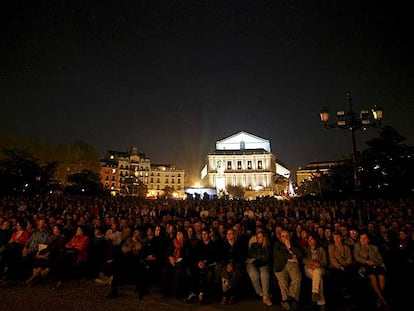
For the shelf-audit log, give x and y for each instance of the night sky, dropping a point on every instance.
(173, 77)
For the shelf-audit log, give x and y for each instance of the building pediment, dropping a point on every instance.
(243, 141)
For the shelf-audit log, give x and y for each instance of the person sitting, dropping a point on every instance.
(286, 259)
(131, 265)
(75, 253)
(315, 262)
(20, 235)
(12, 250)
(340, 267)
(369, 257)
(99, 255)
(47, 254)
(21, 264)
(258, 266)
(175, 267)
(231, 277)
(202, 271)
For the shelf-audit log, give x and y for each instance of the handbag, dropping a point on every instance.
(362, 272)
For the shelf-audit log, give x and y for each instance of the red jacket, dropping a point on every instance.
(81, 244)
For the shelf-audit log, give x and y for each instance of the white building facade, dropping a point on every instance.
(243, 160)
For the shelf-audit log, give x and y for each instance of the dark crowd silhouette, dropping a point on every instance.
(305, 254)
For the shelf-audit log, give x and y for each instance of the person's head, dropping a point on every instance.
(137, 232)
(205, 235)
(230, 235)
(328, 233)
(41, 224)
(261, 238)
(56, 229)
(99, 231)
(364, 238)
(150, 232)
(312, 240)
(190, 232)
(337, 237)
(158, 230)
(353, 233)
(304, 234)
(80, 230)
(284, 235)
(180, 235)
(402, 234)
(21, 225)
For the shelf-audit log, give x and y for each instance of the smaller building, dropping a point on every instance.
(314, 169)
(132, 174)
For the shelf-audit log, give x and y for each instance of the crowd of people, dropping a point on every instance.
(332, 255)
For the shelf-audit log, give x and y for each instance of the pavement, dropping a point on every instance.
(85, 294)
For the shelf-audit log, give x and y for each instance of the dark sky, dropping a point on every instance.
(173, 77)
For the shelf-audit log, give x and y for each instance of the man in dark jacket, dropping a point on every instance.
(286, 259)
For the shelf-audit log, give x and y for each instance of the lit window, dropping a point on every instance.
(229, 165)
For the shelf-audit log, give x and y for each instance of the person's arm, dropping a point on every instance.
(358, 256)
(83, 244)
(348, 255)
(332, 258)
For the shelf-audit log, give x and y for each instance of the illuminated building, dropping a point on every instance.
(132, 174)
(246, 161)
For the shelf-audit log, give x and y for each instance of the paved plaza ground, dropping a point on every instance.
(85, 294)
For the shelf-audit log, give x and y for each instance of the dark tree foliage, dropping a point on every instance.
(387, 165)
(135, 188)
(236, 192)
(385, 169)
(85, 182)
(21, 173)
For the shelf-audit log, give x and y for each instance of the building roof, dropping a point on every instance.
(239, 152)
(243, 141)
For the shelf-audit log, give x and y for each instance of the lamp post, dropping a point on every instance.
(353, 121)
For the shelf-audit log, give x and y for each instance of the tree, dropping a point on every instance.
(236, 192)
(20, 172)
(134, 187)
(85, 182)
(168, 192)
(387, 165)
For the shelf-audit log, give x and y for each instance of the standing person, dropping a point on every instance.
(315, 262)
(258, 266)
(286, 259)
(369, 257)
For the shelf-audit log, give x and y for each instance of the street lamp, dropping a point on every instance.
(353, 121)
